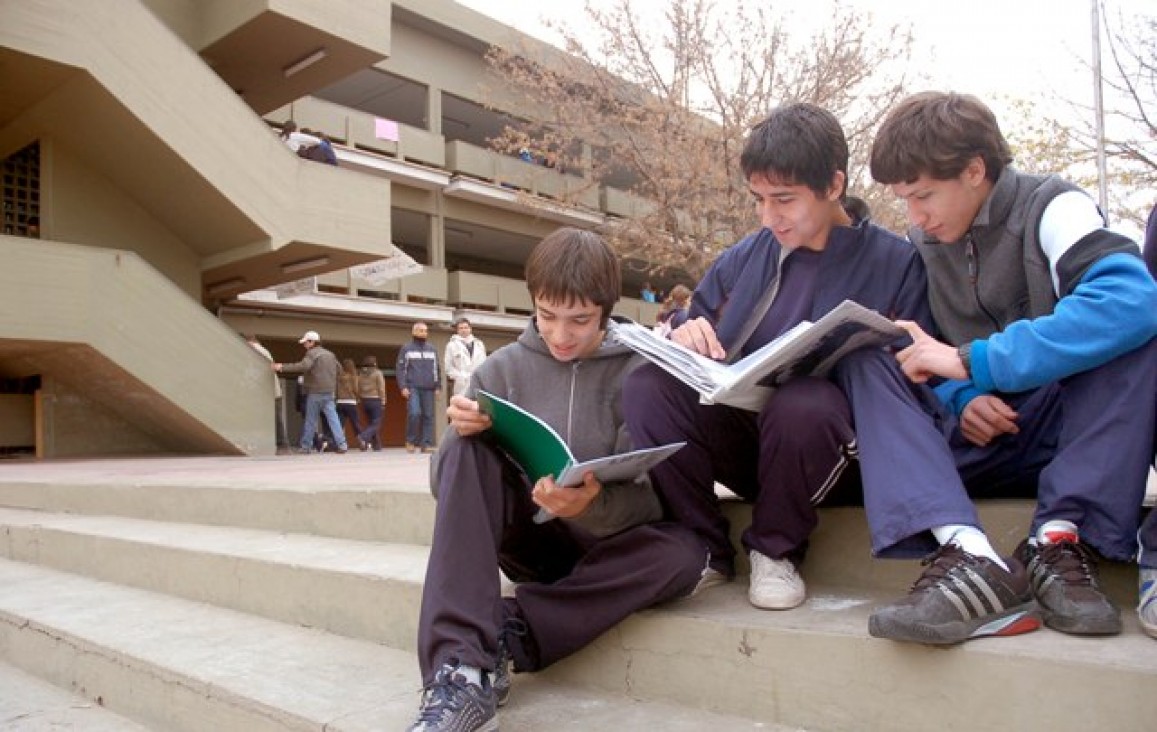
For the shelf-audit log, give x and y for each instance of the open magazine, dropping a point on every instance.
(541, 451)
(807, 349)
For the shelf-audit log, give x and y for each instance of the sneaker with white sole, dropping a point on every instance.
(958, 597)
(775, 583)
(453, 704)
(1063, 571)
(1147, 600)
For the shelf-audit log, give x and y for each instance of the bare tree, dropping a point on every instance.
(659, 105)
(1069, 141)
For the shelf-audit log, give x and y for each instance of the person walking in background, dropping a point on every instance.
(320, 369)
(372, 395)
(464, 353)
(420, 382)
(647, 293)
(279, 431)
(294, 139)
(674, 311)
(347, 396)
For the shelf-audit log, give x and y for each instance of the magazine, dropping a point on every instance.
(541, 451)
(807, 349)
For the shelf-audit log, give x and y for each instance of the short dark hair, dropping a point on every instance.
(571, 265)
(460, 321)
(799, 144)
(938, 133)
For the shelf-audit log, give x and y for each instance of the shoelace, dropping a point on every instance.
(444, 695)
(1071, 562)
(939, 563)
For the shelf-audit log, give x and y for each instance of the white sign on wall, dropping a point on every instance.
(391, 268)
(307, 286)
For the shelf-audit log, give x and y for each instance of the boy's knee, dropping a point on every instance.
(805, 402)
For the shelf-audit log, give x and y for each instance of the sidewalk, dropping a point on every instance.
(391, 466)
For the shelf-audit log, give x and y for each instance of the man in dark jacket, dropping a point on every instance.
(420, 382)
(793, 454)
(321, 369)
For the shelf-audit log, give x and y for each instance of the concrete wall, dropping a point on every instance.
(87, 207)
(17, 420)
(112, 329)
(73, 425)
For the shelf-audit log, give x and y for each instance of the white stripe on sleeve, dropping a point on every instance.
(1067, 219)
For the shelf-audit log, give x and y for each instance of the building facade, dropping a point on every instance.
(151, 212)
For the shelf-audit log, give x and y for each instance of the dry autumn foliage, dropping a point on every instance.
(655, 105)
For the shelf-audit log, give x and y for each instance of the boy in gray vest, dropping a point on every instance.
(1043, 373)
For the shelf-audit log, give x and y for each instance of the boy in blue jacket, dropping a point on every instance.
(1049, 370)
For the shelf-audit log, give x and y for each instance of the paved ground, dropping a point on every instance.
(392, 465)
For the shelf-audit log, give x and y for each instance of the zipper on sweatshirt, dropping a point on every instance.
(973, 257)
(570, 402)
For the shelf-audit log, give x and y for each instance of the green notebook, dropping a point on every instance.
(539, 449)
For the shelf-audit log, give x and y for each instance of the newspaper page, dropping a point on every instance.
(806, 349)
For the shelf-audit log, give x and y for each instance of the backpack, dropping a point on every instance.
(311, 152)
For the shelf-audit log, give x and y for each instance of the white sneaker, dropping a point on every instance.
(775, 583)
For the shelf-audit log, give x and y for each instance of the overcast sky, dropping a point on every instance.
(1022, 48)
(1037, 50)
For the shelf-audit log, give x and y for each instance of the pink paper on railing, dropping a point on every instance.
(385, 129)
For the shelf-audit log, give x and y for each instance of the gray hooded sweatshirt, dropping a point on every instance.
(582, 401)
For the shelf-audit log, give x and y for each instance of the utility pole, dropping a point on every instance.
(1099, 112)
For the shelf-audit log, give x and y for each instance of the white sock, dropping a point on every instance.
(472, 674)
(1054, 530)
(970, 539)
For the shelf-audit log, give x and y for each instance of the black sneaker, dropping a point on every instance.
(959, 597)
(453, 704)
(1064, 580)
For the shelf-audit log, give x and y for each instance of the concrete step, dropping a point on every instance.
(177, 665)
(713, 652)
(380, 496)
(366, 496)
(30, 704)
(361, 589)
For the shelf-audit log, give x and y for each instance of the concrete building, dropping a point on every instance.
(150, 212)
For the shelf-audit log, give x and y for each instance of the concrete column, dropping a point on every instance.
(437, 233)
(434, 110)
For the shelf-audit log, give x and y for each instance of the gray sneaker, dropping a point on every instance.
(453, 704)
(959, 597)
(1064, 580)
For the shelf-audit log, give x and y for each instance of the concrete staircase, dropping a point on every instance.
(282, 594)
